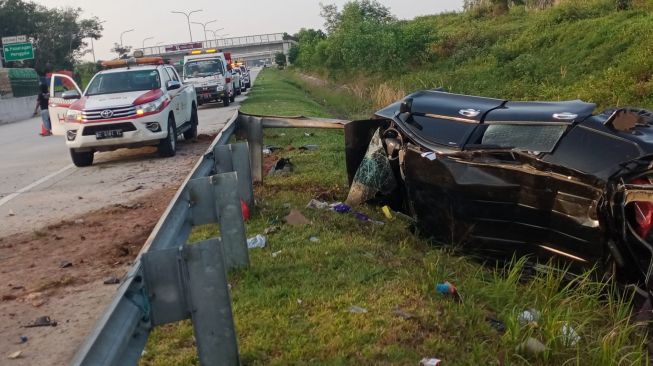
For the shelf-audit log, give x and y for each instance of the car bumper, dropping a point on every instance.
(135, 133)
(206, 95)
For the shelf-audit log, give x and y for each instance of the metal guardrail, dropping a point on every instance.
(172, 280)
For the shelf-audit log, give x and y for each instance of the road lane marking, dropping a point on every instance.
(35, 184)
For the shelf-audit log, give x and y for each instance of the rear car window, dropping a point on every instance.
(533, 138)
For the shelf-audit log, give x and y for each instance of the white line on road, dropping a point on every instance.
(37, 183)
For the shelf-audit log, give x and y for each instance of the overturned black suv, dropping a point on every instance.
(549, 180)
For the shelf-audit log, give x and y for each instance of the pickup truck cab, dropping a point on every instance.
(209, 73)
(246, 77)
(133, 103)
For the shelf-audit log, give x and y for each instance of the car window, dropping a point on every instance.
(164, 77)
(124, 81)
(441, 131)
(172, 74)
(524, 137)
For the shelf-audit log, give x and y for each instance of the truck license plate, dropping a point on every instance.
(108, 134)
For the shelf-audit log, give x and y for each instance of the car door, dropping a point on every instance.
(174, 102)
(184, 96)
(58, 107)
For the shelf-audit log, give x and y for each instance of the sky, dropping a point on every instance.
(238, 18)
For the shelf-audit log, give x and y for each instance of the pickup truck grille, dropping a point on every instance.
(117, 112)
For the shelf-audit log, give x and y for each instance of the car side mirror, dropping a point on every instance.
(70, 94)
(406, 106)
(173, 84)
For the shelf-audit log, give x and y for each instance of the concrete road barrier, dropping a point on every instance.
(16, 109)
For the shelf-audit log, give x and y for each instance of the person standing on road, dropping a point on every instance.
(42, 102)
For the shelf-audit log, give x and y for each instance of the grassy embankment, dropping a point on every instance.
(576, 50)
(294, 307)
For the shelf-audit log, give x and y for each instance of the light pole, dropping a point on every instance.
(204, 27)
(215, 32)
(121, 34)
(187, 15)
(92, 45)
(146, 39)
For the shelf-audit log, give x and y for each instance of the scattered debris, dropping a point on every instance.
(497, 324)
(295, 218)
(23, 339)
(36, 299)
(272, 230)
(259, 241)
(387, 213)
(43, 321)
(282, 166)
(449, 289)
(314, 239)
(15, 355)
(429, 155)
(357, 310)
(65, 264)
(138, 187)
(113, 280)
(402, 314)
(309, 134)
(309, 147)
(528, 316)
(276, 254)
(569, 336)
(132, 206)
(430, 362)
(300, 301)
(531, 345)
(244, 209)
(318, 205)
(9, 297)
(269, 149)
(11, 213)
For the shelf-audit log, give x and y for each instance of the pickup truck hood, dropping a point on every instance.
(111, 100)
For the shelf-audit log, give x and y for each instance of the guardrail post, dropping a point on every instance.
(235, 157)
(255, 140)
(211, 312)
(230, 219)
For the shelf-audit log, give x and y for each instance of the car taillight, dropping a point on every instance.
(228, 80)
(643, 213)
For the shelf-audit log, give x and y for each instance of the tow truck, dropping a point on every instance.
(134, 102)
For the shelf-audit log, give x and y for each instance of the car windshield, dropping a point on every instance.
(202, 68)
(122, 82)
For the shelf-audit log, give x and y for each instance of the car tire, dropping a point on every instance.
(248, 85)
(168, 146)
(233, 95)
(82, 158)
(191, 133)
(239, 91)
(225, 101)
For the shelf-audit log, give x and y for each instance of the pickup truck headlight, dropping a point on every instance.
(150, 107)
(74, 116)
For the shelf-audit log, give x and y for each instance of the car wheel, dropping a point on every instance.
(81, 158)
(191, 133)
(233, 95)
(168, 146)
(238, 91)
(248, 85)
(225, 101)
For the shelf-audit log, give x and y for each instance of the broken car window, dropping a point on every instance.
(534, 138)
(442, 131)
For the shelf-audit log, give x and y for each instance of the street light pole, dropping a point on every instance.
(146, 39)
(121, 34)
(215, 32)
(187, 15)
(204, 27)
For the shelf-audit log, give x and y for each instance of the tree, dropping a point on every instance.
(280, 59)
(293, 54)
(120, 50)
(363, 10)
(57, 34)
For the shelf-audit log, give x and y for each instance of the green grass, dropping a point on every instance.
(293, 309)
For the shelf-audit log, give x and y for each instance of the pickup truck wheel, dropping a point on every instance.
(248, 85)
(191, 133)
(81, 158)
(238, 91)
(168, 146)
(225, 101)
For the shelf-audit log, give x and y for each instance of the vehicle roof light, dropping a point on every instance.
(195, 52)
(211, 50)
(132, 62)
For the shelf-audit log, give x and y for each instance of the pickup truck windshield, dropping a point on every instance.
(122, 82)
(202, 68)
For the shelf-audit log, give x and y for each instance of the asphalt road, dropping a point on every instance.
(39, 185)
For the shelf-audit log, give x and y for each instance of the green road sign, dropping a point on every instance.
(18, 51)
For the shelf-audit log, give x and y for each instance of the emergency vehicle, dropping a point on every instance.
(209, 72)
(132, 103)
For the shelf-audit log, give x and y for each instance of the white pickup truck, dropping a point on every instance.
(209, 71)
(134, 103)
